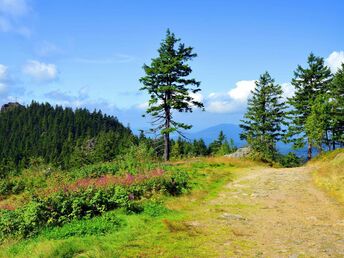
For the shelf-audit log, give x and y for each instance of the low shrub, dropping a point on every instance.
(177, 183)
(101, 225)
(83, 203)
(96, 170)
(137, 158)
(8, 187)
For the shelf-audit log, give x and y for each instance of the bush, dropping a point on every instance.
(22, 222)
(137, 159)
(66, 206)
(177, 183)
(96, 170)
(8, 187)
(290, 160)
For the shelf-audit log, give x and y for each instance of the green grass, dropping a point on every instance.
(168, 226)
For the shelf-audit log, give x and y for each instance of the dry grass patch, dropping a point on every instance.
(329, 173)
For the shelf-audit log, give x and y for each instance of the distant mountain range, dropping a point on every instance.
(209, 134)
(232, 131)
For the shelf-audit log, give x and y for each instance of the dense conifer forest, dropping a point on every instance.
(55, 134)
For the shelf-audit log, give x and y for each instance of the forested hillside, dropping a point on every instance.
(55, 134)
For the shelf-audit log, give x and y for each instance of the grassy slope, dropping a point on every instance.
(169, 234)
(329, 173)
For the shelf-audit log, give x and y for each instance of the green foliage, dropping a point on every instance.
(22, 222)
(74, 204)
(262, 124)
(137, 158)
(318, 121)
(221, 146)
(309, 83)
(337, 110)
(155, 208)
(168, 84)
(290, 160)
(177, 183)
(7, 168)
(11, 186)
(95, 170)
(101, 225)
(185, 149)
(41, 131)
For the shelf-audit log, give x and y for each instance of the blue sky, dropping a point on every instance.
(84, 53)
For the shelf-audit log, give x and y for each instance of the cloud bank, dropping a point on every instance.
(40, 72)
(335, 60)
(232, 101)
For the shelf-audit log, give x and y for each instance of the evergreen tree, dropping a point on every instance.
(169, 86)
(318, 122)
(264, 117)
(200, 148)
(216, 144)
(309, 82)
(337, 111)
(176, 149)
(221, 146)
(55, 134)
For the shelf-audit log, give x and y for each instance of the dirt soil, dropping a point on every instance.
(277, 213)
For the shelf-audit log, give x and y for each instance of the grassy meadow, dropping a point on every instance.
(163, 226)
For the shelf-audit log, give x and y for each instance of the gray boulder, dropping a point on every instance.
(240, 153)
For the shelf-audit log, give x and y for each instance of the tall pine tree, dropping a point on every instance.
(337, 113)
(309, 83)
(170, 88)
(262, 123)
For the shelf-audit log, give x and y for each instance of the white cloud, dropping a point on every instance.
(3, 72)
(334, 60)
(197, 96)
(3, 89)
(242, 90)
(40, 72)
(288, 90)
(232, 101)
(14, 7)
(236, 99)
(222, 106)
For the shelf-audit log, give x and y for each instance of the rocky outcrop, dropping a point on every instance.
(240, 153)
(10, 106)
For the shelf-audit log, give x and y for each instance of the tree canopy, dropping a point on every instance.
(170, 89)
(262, 123)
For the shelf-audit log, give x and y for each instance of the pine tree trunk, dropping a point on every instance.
(167, 147)
(309, 154)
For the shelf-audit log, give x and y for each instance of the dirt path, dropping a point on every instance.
(278, 213)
